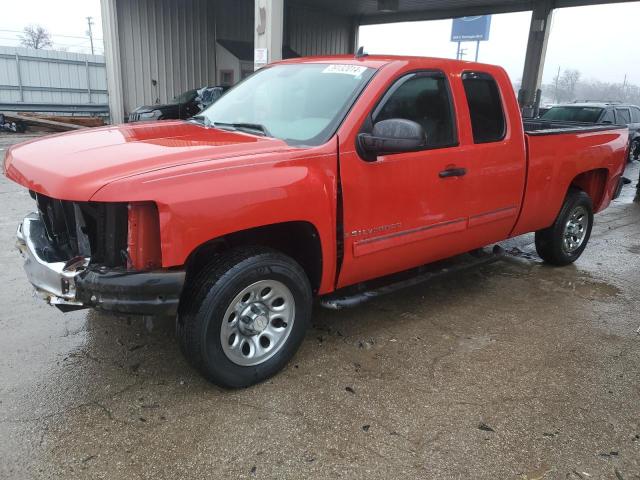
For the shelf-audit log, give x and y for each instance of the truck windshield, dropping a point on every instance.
(302, 104)
(573, 114)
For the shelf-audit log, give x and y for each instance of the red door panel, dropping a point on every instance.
(398, 212)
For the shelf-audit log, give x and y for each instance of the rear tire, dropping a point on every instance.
(244, 315)
(564, 241)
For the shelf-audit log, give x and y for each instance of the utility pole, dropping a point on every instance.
(624, 88)
(556, 82)
(90, 33)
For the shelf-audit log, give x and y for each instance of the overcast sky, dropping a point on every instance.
(600, 41)
(65, 19)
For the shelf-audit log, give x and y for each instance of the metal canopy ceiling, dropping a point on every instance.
(378, 11)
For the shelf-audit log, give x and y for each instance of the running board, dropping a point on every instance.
(361, 293)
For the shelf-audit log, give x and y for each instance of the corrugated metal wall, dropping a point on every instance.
(172, 42)
(235, 19)
(165, 41)
(312, 31)
(51, 77)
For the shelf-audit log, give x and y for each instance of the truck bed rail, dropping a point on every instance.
(552, 127)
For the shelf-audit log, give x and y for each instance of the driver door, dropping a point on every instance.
(406, 209)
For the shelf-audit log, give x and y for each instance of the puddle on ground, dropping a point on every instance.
(550, 279)
(473, 343)
(517, 252)
(635, 249)
(570, 279)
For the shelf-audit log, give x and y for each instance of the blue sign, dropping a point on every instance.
(466, 29)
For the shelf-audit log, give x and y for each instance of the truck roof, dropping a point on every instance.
(378, 61)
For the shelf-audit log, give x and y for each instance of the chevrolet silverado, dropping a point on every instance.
(312, 175)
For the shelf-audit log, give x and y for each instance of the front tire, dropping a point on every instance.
(244, 315)
(564, 241)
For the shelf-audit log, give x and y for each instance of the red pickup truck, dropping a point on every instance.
(310, 176)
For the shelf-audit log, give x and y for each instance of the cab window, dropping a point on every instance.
(608, 117)
(425, 99)
(635, 115)
(623, 116)
(485, 107)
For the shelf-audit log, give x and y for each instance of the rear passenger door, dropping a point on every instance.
(495, 160)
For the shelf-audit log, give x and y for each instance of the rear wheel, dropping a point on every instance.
(564, 241)
(244, 316)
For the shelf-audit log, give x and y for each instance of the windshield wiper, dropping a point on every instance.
(250, 127)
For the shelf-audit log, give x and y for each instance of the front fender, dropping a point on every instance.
(201, 202)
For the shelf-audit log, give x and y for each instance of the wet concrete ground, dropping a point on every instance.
(514, 371)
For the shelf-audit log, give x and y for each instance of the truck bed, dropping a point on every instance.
(537, 127)
(560, 154)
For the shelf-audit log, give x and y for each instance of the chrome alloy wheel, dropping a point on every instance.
(575, 229)
(257, 323)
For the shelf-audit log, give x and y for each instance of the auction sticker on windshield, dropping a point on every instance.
(354, 70)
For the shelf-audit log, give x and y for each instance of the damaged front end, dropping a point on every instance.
(99, 255)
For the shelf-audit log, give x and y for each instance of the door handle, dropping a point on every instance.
(453, 172)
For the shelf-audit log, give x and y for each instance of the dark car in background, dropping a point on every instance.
(601, 112)
(183, 106)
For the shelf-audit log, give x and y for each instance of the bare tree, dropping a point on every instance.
(36, 36)
(569, 80)
(593, 90)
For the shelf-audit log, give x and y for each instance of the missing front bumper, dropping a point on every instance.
(75, 284)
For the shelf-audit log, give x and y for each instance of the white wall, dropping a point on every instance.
(226, 61)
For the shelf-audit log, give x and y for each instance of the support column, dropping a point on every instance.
(268, 34)
(536, 51)
(112, 59)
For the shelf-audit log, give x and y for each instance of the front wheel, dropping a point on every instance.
(244, 316)
(564, 241)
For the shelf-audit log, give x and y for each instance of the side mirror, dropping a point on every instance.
(395, 135)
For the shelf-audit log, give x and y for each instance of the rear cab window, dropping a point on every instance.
(485, 107)
(635, 115)
(423, 97)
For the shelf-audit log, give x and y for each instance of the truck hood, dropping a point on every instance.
(73, 166)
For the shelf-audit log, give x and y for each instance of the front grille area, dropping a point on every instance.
(88, 229)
